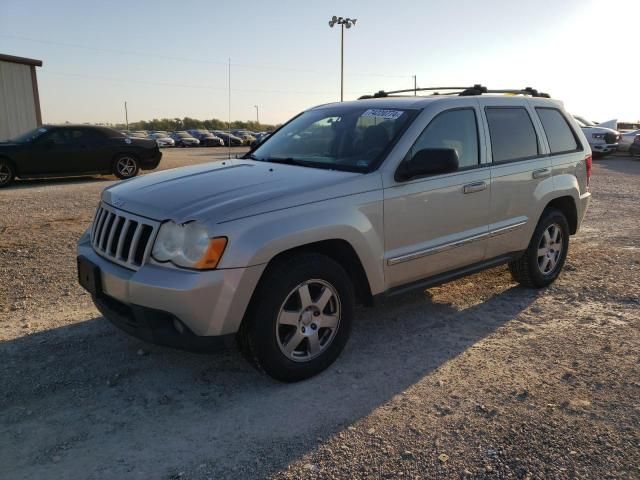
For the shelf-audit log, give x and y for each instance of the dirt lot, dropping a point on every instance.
(474, 379)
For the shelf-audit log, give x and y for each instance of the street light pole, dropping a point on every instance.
(343, 22)
(257, 115)
(126, 115)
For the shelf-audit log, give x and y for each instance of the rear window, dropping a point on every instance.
(559, 134)
(512, 134)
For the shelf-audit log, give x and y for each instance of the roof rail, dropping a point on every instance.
(460, 91)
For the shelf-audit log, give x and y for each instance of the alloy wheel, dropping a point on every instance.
(126, 166)
(550, 249)
(5, 174)
(308, 320)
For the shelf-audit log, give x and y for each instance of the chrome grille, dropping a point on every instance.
(122, 237)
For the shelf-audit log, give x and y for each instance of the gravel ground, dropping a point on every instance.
(474, 379)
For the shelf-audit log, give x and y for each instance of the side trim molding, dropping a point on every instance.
(458, 243)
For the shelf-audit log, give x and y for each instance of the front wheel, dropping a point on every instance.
(300, 318)
(544, 258)
(7, 173)
(126, 166)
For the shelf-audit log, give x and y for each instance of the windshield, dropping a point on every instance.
(29, 136)
(340, 138)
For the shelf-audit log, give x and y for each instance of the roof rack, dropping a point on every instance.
(460, 91)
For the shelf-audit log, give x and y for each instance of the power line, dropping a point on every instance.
(190, 59)
(179, 85)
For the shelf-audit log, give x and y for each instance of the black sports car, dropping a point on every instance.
(56, 151)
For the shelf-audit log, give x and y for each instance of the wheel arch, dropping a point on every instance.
(339, 250)
(567, 205)
(11, 162)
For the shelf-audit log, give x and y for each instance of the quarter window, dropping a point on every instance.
(559, 134)
(512, 134)
(456, 129)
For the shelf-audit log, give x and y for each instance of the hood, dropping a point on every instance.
(226, 190)
(599, 129)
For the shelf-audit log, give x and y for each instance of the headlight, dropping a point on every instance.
(188, 246)
(597, 135)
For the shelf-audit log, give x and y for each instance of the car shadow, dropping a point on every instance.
(88, 401)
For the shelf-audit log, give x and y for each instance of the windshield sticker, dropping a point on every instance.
(382, 113)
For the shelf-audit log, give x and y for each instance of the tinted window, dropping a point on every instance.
(559, 134)
(455, 129)
(512, 134)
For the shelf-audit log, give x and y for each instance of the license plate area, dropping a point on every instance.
(89, 276)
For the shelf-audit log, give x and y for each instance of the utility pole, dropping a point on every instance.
(415, 85)
(126, 115)
(343, 22)
(257, 114)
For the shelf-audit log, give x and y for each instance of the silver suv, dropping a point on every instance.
(344, 204)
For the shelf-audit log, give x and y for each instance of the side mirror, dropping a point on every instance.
(429, 161)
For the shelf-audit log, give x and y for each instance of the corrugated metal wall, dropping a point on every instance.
(17, 105)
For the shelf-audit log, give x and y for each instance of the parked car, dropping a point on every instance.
(162, 139)
(346, 203)
(54, 151)
(627, 139)
(247, 137)
(226, 138)
(137, 134)
(602, 140)
(184, 139)
(260, 137)
(206, 138)
(634, 148)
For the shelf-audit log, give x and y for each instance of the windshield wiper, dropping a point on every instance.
(251, 156)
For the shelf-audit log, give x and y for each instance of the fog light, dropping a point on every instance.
(178, 326)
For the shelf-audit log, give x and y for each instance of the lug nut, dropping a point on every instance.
(314, 326)
(316, 313)
(303, 329)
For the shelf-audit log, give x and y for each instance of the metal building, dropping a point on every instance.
(19, 100)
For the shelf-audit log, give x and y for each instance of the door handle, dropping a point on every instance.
(542, 173)
(475, 187)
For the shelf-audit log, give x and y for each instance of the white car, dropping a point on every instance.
(603, 138)
(163, 140)
(626, 139)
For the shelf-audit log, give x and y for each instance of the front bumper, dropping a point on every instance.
(208, 303)
(604, 147)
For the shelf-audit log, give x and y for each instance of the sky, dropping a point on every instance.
(170, 59)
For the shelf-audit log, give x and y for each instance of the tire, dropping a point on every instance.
(535, 271)
(125, 166)
(7, 173)
(300, 317)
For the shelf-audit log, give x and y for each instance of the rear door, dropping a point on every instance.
(520, 172)
(439, 223)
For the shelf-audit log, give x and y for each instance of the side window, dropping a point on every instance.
(77, 136)
(559, 133)
(57, 137)
(457, 129)
(513, 136)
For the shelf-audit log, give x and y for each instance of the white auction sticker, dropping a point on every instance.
(383, 113)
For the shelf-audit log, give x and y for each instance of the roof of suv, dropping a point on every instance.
(417, 102)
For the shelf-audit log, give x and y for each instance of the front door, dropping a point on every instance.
(439, 223)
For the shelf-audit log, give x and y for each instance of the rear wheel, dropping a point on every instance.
(544, 258)
(126, 166)
(7, 173)
(300, 318)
